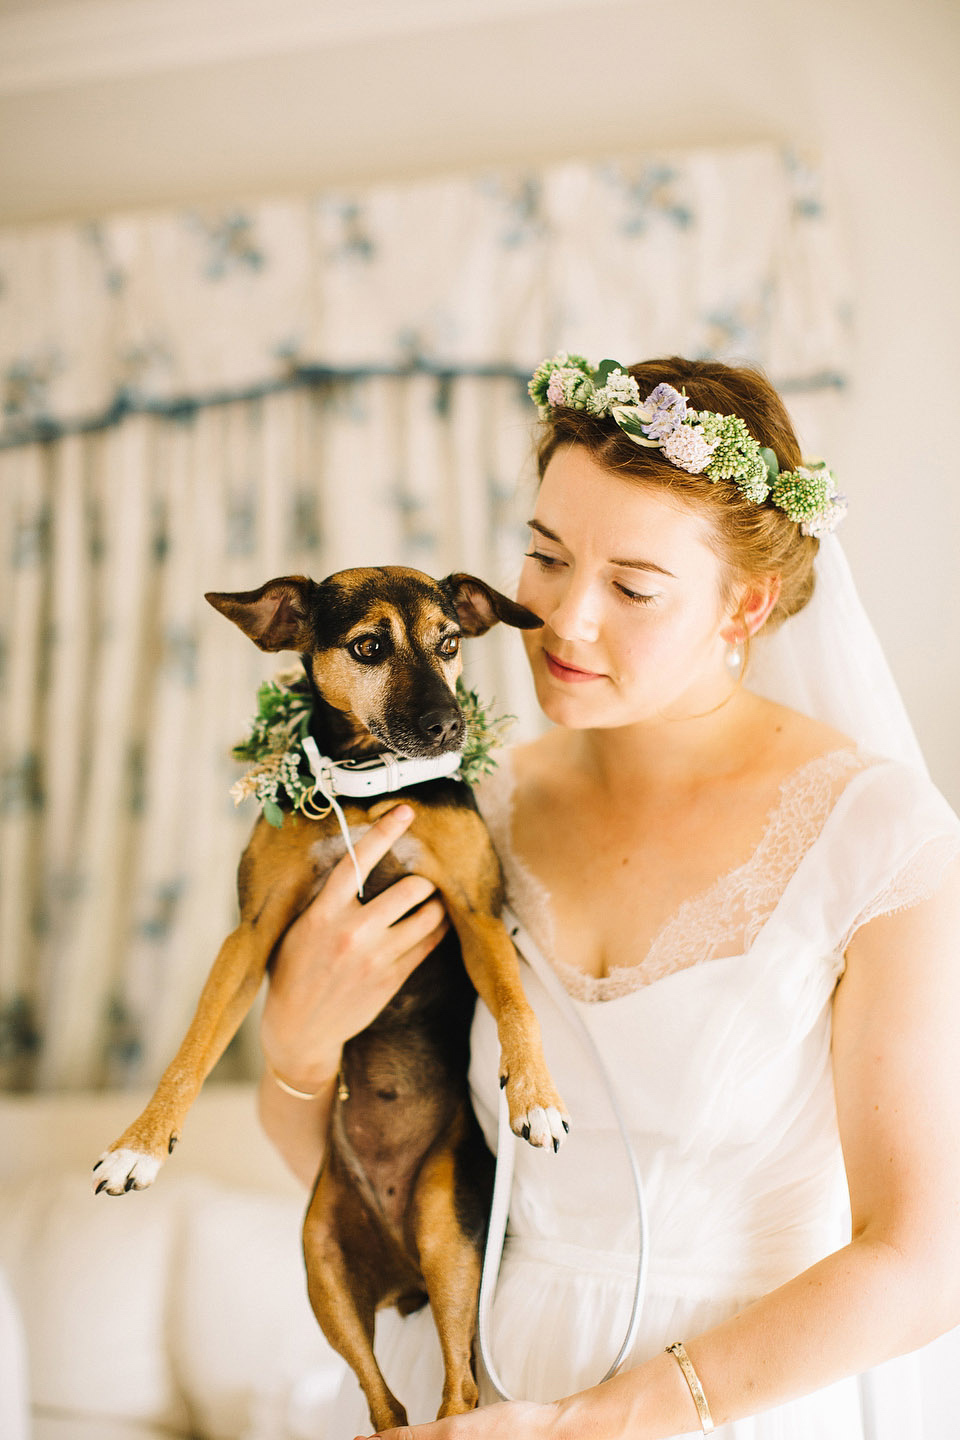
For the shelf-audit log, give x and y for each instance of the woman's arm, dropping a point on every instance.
(335, 969)
(896, 1285)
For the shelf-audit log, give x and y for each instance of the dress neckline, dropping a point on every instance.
(711, 923)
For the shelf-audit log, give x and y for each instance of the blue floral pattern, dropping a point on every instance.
(201, 400)
(181, 310)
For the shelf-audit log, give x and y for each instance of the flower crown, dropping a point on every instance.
(698, 441)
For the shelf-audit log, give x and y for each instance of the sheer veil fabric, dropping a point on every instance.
(827, 662)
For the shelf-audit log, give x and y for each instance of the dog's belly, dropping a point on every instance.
(406, 1077)
(384, 1141)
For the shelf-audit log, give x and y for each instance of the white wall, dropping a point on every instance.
(184, 110)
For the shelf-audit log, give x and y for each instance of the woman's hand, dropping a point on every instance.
(511, 1420)
(341, 961)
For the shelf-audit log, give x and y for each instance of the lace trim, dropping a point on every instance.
(918, 880)
(722, 920)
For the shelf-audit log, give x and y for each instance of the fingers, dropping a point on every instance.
(412, 944)
(398, 900)
(369, 850)
(412, 931)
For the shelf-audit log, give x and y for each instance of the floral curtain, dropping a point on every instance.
(203, 399)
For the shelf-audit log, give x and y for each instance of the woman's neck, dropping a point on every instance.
(675, 754)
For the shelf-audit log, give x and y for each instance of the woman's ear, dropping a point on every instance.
(756, 601)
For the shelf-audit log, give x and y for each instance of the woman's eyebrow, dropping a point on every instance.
(628, 564)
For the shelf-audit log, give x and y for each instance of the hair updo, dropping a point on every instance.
(751, 541)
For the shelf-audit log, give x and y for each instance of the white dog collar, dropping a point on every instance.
(380, 775)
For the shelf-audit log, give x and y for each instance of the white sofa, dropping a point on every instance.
(182, 1311)
(178, 1311)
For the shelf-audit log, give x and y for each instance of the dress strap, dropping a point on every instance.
(506, 1150)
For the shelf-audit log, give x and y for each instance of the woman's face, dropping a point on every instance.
(630, 596)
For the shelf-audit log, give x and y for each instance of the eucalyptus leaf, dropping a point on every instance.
(272, 814)
(630, 424)
(604, 370)
(771, 462)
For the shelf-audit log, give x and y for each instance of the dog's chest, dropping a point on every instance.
(405, 856)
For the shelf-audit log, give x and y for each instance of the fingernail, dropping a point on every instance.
(403, 812)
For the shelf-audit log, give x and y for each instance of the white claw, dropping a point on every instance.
(119, 1170)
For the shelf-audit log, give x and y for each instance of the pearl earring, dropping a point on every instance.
(733, 659)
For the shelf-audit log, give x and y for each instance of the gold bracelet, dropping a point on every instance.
(693, 1380)
(287, 1089)
(343, 1092)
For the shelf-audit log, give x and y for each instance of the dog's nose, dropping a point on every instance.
(440, 726)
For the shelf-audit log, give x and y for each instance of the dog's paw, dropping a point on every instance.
(118, 1171)
(542, 1126)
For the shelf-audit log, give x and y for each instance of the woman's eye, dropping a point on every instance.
(367, 647)
(547, 561)
(635, 596)
(450, 645)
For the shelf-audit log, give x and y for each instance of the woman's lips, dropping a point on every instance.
(570, 673)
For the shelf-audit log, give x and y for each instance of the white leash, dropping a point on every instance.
(506, 1148)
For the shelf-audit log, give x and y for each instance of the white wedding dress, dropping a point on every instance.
(718, 1043)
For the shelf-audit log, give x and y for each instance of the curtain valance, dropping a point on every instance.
(727, 253)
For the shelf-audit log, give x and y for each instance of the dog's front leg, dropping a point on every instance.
(133, 1161)
(536, 1110)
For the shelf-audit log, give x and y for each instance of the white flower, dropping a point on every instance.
(688, 450)
(619, 389)
(827, 520)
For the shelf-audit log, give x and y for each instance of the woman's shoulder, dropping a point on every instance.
(784, 740)
(895, 791)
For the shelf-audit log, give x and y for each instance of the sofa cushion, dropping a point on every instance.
(58, 1425)
(242, 1326)
(14, 1382)
(91, 1276)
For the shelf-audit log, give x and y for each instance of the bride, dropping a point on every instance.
(727, 849)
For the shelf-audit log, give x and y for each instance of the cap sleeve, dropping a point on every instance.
(890, 840)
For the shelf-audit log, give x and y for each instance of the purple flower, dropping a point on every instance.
(669, 408)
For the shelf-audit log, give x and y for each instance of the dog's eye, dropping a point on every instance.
(450, 645)
(367, 647)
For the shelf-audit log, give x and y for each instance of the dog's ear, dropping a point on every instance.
(479, 606)
(276, 617)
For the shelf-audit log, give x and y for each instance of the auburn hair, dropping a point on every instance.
(753, 542)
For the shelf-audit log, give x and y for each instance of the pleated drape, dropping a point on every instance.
(202, 400)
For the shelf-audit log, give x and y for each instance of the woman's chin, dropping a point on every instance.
(572, 707)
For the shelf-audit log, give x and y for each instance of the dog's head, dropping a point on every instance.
(382, 646)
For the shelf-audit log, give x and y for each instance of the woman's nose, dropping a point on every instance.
(574, 616)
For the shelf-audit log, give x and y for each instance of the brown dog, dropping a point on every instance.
(398, 1213)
